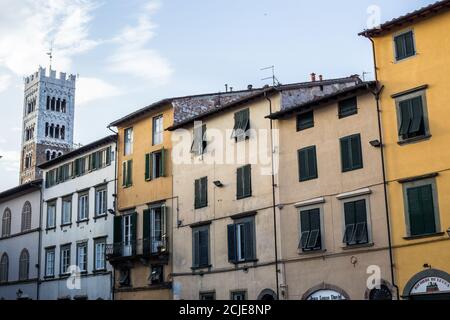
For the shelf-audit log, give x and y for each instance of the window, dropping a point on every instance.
(6, 223)
(355, 223)
(241, 125)
(101, 200)
(155, 165)
(125, 234)
(128, 141)
(4, 266)
(348, 107)
(199, 142)
(83, 206)
(79, 167)
(51, 214)
(238, 295)
(26, 217)
(244, 182)
(310, 234)
(242, 241)
(99, 254)
(156, 275)
(411, 116)
(24, 265)
(65, 259)
(50, 262)
(200, 245)
(100, 159)
(404, 45)
(201, 192)
(66, 212)
(158, 130)
(82, 249)
(351, 154)
(305, 120)
(207, 296)
(127, 173)
(307, 163)
(422, 213)
(155, 229)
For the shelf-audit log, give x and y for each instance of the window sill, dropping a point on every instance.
(342, 116)
(308, 179)
(311, 252)
(243, 197)
(103, 215)
(422, 236)
(353, 169)
(50, 228)
(65, 225)
(82, 221)
(358, 246)
(64, 275)
(49, 277)
(126, 187)
(201, 267)
(244, 261)
(414, 140)
(97, 271)
(200, 207)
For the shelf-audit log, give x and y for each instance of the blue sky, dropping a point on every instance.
(129, 54)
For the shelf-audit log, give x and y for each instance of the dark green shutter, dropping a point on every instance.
(108, 155)
(240, 182)
(129, 173)
(204, 194)
(231, 228)
(124, 174)
(409, 43)
(133, 232)
(146, 232)
(196, 248)
(399, 47)
(197, 194)
(421, 210)
(307, 163)
(247, 181)
(351, 153)
(428, 209)
(249, 241)
(117, 236)
(406, 117)
(356, 152)
(147, 166)
(345, 154)
(203, 248)
(417, 115)
(162, 166)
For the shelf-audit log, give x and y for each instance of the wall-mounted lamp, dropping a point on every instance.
(375, 143)
(218, 183)
(112, 211)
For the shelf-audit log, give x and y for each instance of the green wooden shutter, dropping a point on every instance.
(124, 174)
(147, 166)
(345, 154)
(197, 193)
(162, 166)
(421, 210)
(196, 248)
(249, 241)
(409, 44)
(406, 117)
(204, 184)
(356, 152)
(302, 164)
(417, 115)
(428, 209)
(129, 180)
(146, 232)
(204, 250)
(415, 215)
(108, 155)
(117, 235)
(240, 182)
(312, 160)
(133, 232)
(400, 49)
(247, 181)
(232, 254)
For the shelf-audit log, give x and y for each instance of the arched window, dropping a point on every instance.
(4, 264)
(63, 132)
(53, 104)
(26, 217)
(63, 106)
(52, 130)
(58, 105)
(6, 223)
(46, 129)
(48, 102)
(53, 154)
(24, 265)
(57, 132)
(59, 154)
(48, 155)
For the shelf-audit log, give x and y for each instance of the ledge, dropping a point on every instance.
(422, 236)
(310, 202)
(404, 93)
(104, 215)
(352, 194)
(243, 215)
(202, 267)
(311, 252)
(357, 246)
(417, 178)
(414, 140)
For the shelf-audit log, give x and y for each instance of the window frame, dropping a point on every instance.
(352, 167)
(51, 204)
(346, 114)
(435, 194)
(203, 193)
(82, 195)
(203, 143)
(300, 209)
(345, 200)
(6, 223)
(126, 139)
(83, 244)
(208, 263)
(239, 235)
(394, 44)
(308, 125)
(4, 273)
(316, 173)
(47, 251)
(24, 274)
(238, 292)
(101, 241)
(241, 133)
(65, 200)
(26, 217)
(154, 132)
(63, 248)
(250, 190)
(101, 189)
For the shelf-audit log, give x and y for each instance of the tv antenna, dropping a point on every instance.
(50, 55)
(274, 79)
(364, 75)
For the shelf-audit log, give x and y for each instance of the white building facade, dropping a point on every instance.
(78, 191)
(19, 241)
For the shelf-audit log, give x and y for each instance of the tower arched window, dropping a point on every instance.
(63, 106)
(4, 264)
(24, 265)
(6, 223)
(26, 216)
(57, 132)
(63, 132)
(60, 154)
(52, 106)
(46, 129)
(53, 154)
(58, 105)
(48, 154)
(52, 130)
(48, 103)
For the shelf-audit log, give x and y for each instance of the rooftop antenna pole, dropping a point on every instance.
(274, 79)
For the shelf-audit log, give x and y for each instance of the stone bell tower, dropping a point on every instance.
(48, 120)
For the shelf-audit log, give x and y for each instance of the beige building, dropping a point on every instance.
(227, 239)
(332, 207)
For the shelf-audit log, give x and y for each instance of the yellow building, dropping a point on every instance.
(411, 55)
(141, 251)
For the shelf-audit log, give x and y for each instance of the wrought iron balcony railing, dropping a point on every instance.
(153, 246)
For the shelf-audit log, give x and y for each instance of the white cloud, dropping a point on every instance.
(90, 89)
(5, 81)
(132, 55)
(27, 29)
(10, 160)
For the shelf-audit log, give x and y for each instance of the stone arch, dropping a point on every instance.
(267, 294)
(384, 283)
(419, 276)
(26, 216)
(325, 286)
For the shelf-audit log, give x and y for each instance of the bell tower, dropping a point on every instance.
(48, 120)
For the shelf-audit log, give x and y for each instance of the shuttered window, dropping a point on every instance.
(355, 223)
(244, 182)
(201, 193)
(155, 165)
(154, 230)
(310, 235)
(404, 46)
(305, 120)
(351, 154)
(412, 122)
(348, 107)
(241, 241)
(241, 124)
(421, 210)
(127, 173)
(200, 247)
(307, 163)
(199, 142)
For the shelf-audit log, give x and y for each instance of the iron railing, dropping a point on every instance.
(153, 246)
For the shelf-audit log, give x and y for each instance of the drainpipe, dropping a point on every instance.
(273, 199)
(386, 203)
(113, 277)
(39, 242)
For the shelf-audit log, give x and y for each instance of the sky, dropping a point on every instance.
(129, 54)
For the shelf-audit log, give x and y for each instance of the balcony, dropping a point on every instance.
(152, 249)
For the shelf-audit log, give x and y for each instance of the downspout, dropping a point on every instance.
(273, 198)
(39, 242)
(386, 203)
(113, 277)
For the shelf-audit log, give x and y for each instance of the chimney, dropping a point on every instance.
(249, 87)
(231, 89)
(226, 87)
(320, 78)
(313, 77)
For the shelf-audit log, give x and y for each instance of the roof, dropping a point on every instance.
(20, 190)
(79, 151)
(422, 13)
(185, 114)
(340, 94)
